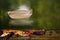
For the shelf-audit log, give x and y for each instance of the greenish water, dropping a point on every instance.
(46, 15)
(17, 24)
(22, 25)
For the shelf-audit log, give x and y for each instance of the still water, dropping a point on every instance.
(19, 24)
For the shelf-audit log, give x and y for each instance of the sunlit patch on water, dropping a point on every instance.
(4, 34)
(25, 36)
(16, 32)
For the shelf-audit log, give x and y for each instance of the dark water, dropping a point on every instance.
(20, 24)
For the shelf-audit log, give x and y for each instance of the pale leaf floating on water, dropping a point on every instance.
(21, 13)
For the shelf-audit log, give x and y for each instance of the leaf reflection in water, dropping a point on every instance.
(20, 22)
